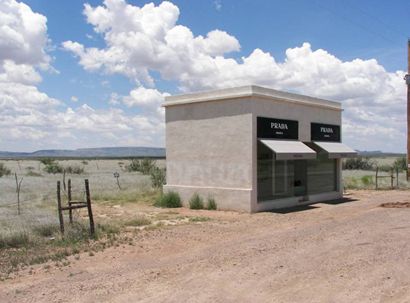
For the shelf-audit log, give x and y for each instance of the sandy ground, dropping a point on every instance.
(348, 252)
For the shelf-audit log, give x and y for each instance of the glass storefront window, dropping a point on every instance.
(322, 176)
(290, 178)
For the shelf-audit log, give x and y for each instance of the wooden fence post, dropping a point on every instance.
(391, 179)
(377, 172)
(60, 212)
(70, 212)
(397, 177)
(90, 212)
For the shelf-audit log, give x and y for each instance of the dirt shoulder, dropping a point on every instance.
(349, 252)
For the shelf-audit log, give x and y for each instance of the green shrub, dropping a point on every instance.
(158, 177)
(84, 162)
(47, 161)
(74, 170)
(196, 202)
(367, 180)
(170, 199)
(4, 171)
(143, 166)
(52, 167)
(211, 204)
(351, 183)
(400, 164)
(359, 163)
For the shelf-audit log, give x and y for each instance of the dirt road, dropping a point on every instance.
(347, 252)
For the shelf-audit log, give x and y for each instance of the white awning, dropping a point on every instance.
(289, 150)
(336, 149)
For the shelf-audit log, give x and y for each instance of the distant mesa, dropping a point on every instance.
(101, 152)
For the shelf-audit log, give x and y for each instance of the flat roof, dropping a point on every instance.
(249, 91)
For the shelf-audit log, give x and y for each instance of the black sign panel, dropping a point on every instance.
(268, 128)
(325, 132)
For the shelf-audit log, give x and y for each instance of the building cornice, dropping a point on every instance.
(250, 91)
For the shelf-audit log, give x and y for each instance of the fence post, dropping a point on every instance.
(90, 212)
(397, 177)
(60, 213)
(70, 212)
(377, 172)
(391, 179)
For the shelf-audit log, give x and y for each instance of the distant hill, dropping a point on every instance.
(378, 153)
(102, 152)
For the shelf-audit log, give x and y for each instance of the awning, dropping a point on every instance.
(336, 149)
(289, 150)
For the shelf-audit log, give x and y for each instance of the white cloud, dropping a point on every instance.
(23, 34)
(142, 40)
(30, 119)
(148, 39)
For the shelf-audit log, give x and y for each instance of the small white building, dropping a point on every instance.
(253, 148)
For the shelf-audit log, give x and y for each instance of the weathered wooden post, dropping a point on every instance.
(60, 212)
(70, 212)
(377, 172)
(391, 179)
(397, 177)
(90, 212)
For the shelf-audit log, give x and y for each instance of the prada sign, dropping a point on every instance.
(268, 128)
(324, 132)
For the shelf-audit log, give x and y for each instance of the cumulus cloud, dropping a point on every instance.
(35, 120)
(142, 40)
(23, 34)
(147, 40)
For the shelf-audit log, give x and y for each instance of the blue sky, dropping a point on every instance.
(346, 30)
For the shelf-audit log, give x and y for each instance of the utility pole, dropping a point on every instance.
(408, 109)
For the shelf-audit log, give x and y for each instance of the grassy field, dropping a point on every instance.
(366, 179)
(33, 236)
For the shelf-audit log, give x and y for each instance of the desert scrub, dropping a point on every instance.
(14, 240)
(196, 202)
(359, 163)
(367, 180)
(199, 219)
(169, 199)
(31, 172)
(46, 230)
(157, 177)
(143, 166)
(137, 196)
(4, 171)
(400, 164)
(211, 204)
(52, 167)
(74, 170)
(138, 221)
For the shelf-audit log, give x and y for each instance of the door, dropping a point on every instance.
(300, 177)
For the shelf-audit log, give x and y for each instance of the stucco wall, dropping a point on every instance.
(211, 146)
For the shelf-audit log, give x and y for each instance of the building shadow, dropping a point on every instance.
(340, 201)
(293, 209)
